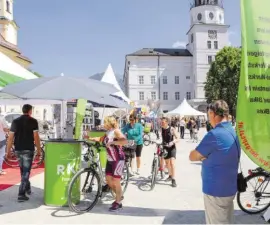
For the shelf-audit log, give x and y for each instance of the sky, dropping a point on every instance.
(80, 38)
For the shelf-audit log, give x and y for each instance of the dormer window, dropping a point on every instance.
(8, 6)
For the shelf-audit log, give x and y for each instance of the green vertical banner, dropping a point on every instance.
(80, 114)
(253, 103)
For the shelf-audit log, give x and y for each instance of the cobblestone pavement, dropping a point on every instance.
(163, 205)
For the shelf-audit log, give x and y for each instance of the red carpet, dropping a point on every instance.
(13, 176)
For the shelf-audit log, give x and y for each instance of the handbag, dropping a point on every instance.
(241, 180)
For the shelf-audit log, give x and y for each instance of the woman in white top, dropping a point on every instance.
(3, 130)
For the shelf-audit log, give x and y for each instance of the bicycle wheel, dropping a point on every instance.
(124, 180)
(154, 172)
(257, 191)
(38, 159)
(146, 139)
(81, 185)
(12, 161)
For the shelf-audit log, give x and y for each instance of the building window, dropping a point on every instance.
(187, 77)
(165, 95)
(209, 44)
(153, 96)
(210, 59)
(176, 79)
(216, 44)
(188, 95)
(8, 6)
(141, 95)
(165, 80)
(141, 80)
(153, 80)
(177, 95)
(191, 38)
(212, 34)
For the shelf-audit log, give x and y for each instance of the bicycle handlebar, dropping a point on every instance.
(159, 144)
(97, 145)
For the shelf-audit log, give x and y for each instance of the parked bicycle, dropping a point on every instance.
(85, 179)
(38, 159)
(256, 199)
(156, 164)
(149, 137)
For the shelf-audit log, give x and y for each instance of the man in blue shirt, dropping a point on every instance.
(219, 152)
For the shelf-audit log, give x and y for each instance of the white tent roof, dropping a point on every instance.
(184, 109)
(109, 77)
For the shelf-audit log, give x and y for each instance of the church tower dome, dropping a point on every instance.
(207, 12)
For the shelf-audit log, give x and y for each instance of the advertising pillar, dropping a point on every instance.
(62, 161)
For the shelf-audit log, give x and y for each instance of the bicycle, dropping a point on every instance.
(160, 153)
(93, 171)
(195, 137)
(262, 179)
(13, 161)
(148, 138)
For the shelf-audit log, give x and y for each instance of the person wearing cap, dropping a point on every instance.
(219, 152)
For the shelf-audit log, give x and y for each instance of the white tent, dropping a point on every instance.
(184, 109)
(109, 77)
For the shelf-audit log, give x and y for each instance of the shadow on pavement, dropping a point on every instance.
(144, 184)
(170, 216)
(9, 203)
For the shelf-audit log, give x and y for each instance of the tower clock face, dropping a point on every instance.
(199, 17)
(211, 15)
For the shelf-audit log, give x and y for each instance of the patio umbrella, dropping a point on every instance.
(65, 88)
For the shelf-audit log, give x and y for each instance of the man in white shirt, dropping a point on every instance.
(3, 130)
(182, 128)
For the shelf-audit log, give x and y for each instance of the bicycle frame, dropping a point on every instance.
(94, 162)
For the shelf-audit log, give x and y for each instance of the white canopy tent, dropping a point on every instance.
(109, 77)
(184, 109)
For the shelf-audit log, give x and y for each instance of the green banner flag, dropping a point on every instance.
(80, 114)
(253, 103)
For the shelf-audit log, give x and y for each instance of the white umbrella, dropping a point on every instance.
(65, 88)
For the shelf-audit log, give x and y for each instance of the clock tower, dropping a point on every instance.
(8, 27)
(207, 35)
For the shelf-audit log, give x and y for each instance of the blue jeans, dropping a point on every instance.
(25, 158)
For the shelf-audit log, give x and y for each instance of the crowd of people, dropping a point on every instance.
(219, 151)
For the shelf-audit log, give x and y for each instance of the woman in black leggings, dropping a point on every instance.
(134, 131)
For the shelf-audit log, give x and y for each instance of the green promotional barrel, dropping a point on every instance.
(103, 152)
(62, 161)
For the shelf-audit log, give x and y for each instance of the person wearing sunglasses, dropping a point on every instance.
(220, 153)
(134, 131)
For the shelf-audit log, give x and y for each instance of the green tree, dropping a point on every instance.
(223, 77)
(36, 73)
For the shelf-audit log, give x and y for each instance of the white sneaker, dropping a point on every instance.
(138, 172)
(131, 174)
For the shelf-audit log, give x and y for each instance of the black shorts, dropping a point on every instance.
(115, 168)
(138, 150)
(171, 153)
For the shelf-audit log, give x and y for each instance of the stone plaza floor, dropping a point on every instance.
(163, 205)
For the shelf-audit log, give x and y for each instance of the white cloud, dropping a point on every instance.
(179, 44)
